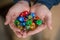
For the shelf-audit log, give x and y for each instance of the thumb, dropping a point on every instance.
(49, 22)
(8, 18)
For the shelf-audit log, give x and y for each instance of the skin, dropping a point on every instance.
(41, 10)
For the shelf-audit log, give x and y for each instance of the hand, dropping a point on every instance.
(44, 13)
(13, 13)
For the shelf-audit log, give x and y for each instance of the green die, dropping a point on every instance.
(29, 22)
(27, 27)
(16, 22)
(38, 22)
(29, 17)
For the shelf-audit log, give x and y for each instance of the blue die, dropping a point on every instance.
(32, 14)
(21, 19)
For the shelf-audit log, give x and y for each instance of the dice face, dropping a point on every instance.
(32, 27)
(21, 19)
(20, 27)
(22, 14)
(25, 13)
(16, 22)
(38, 22)
(27, 27)
(22, 24)
(27, 21)
(36, 18)
(32, 14)
(29, 17)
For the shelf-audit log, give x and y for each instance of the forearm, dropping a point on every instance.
(48, 3)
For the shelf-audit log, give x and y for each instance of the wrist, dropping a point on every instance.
(40, 4)
(47, 3)
(25, 2)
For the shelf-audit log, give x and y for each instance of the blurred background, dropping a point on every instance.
(7, 34)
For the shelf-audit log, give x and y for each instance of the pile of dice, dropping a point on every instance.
(27, 21)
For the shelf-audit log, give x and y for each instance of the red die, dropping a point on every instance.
(21, 14)
(25, 13)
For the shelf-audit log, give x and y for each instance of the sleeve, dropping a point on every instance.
(48, 3)
(15, 1)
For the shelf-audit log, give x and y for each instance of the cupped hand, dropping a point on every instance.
(44, 13)
(13, 13)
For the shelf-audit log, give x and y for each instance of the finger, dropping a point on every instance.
(13, 18)
(49, 21)
(24, 34)
(16, 31)
(39, 29)
(18, 34)
(15, 15)
(8, 19)
(13, 27)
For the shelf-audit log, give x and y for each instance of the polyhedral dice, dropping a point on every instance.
(28, 21)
